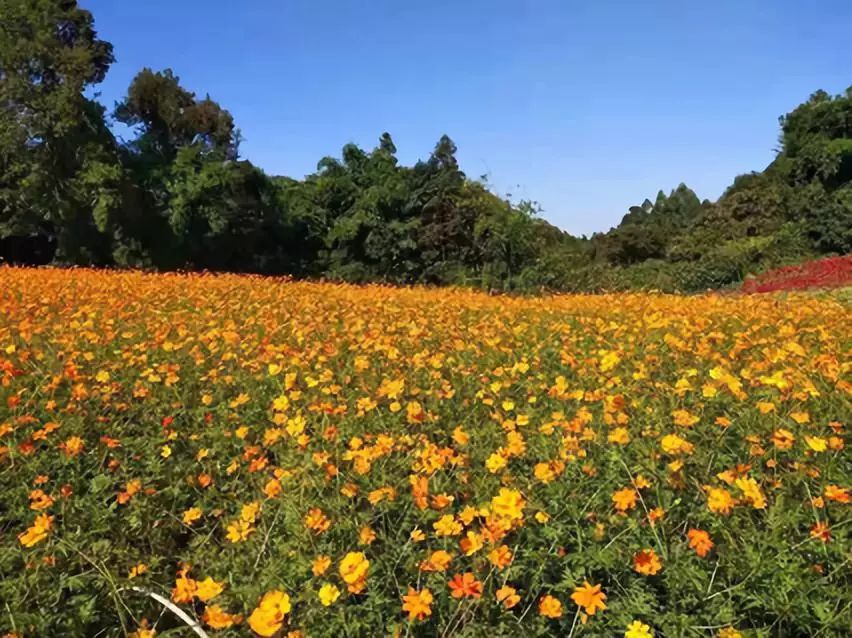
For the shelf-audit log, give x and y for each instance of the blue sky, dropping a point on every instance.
(586, 107)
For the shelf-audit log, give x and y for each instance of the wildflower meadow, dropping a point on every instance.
(231, 455)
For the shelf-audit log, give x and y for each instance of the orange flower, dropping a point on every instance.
(655, 515)
(820, 531)
(366, 536)
(625, 499)
(72, 446)
(272, 488)
(783, 439)
(549, 607)
(465, 585)
(217, 618)
(317, 521)
(699, 540)
(320, 565)
(418, 604)
(647, 562)
(500, 557)
(184, 589)
(589, 597)
(437, 562)
(837, 493)
(419, 491)
(39, 500)
(508, 596)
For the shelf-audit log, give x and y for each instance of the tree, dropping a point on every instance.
(57, 157)
(181, 157)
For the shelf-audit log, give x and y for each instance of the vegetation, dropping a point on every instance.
(178, 195)
(827, 273)
(318, 459)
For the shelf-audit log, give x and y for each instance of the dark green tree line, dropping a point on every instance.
(177, 194)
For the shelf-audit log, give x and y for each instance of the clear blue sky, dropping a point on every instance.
(586, 106)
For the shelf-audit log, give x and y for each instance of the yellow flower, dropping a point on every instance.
(353, 570)
(619, 436)
(638, 629)
(37, 532)
(281, 403)
(751, 491)
(208, 589)
(673, 444)
(471, 543)
(800, 417)
(249, 512)
(816, 443)
(508, 504)
(137, 570)
(191, 515)
(328, 593)
(268, 617)
(495, 463)
(719, 500)
(609, 360)
(447, 526)
(239, 531)
(460, 437)
(684, 418)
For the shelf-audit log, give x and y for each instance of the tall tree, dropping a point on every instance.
(182, 159)
(57, 157)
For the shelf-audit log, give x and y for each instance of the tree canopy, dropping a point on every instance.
(177, 194)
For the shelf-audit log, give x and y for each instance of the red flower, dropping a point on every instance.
(465, 585)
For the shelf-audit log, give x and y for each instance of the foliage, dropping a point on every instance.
(176, 195)
(831, 272)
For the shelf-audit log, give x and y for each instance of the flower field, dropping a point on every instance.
(229, 455)
(830, 272)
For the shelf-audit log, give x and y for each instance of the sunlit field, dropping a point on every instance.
(311, 459)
